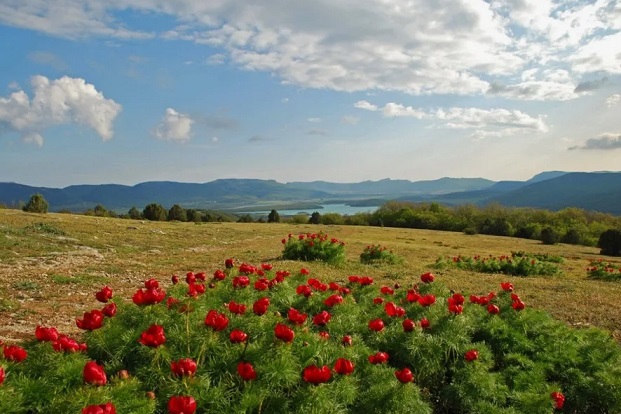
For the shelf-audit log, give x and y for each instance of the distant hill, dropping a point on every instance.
(553, 190)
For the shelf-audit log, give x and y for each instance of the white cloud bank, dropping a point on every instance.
(486, 122)
(174, 127)
(417, 47)
(58, 102)
(606, 141)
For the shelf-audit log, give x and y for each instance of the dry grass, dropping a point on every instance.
(51, 264)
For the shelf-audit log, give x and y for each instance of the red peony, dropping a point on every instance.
(179, 404)
(104, 295)
(94, 374)
(107, 408)
(343, 366)
(183, 367)
(284, 333)
(246, 371)
(315, 375)
(46, 334)
(153, 337)
(238, 336)
(404, 375)
(91, 320)
(217, 321)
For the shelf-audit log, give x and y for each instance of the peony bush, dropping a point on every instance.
(514, 265)
(261, 339)
(377, 254)
(313, 246)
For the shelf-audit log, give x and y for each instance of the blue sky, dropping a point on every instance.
(126, 91)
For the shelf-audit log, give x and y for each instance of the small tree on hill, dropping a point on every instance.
(36, 204)
(610, 242)
(134, 214)
(549, 236)
(273, 217)
(154, 212)
(315, 218)
(194, 215)
(246, 218)
(177, 213)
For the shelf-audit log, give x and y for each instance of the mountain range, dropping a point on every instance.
(554, 190)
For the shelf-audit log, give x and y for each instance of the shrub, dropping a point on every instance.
(332, 218)
(134, 214)
(315, 218)
(471, 231)
(610, 242)
(154, 212)
(273, 217)
(549, 236)
(375, 254)
(333, 351)
(314, 246)
(604, 270)
(572, 236)
(36, 204)
(246, 218)
(508, 265)
(177, 213)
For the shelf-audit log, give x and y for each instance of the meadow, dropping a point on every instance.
(52, 264)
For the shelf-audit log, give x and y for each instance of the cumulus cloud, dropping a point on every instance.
(487, 122)
(606, 141)
(174, 127)
(417, 47)
(58, 102)
(613, 100)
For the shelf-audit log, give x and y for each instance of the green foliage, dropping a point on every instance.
(542, 257)
(517, 265)
(36, 204)
(45, 228)
(314, 246)
(273, 217)
(610, 242)
(134, 214)
(177, 213)
(522, 356)
(154, 212)
(245, 218)
(377, 254)
(298, 219)
(332, 219)
(549, 236)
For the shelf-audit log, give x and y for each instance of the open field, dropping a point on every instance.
(51, 264)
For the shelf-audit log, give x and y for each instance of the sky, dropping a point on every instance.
(127, 91)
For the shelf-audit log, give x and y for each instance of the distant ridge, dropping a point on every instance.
(554, 190)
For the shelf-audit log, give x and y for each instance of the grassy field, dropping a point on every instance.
(51, 264)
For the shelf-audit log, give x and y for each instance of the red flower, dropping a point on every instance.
(424, 323)
(454, 307)
(334, 286)
(107, 408)
(15, 353)
(559, 399)
(315, 375)
(317, 285)
(229, 263)
(1, 375)
(393, 310)
(174, 279)
(343, 366)
(246, 371)
(408, 325)
(324, 335)
(190, 278)
(412, 296)
(195, 289)
(217, 321)
(267, 266)
(262, 284)
(66, 344)
(427, 277)
(493, 309)
(376, 325)
(260, 306)
(219, 275)
(458, 299)
(304, 290)
(378, 358)
(427, 300)
(109, 310)
(304, 271)
(150, 295)
(200, 276)
(241, 281)
(333, 300)
(296, 317)
(322, 318)
(94, 374)
(153, 337)
(354, 279)
(378, 300)
(506, 286)
(404, 375)
(518, 305)
(387, 290)
(471, 355)
(184, 366)
(236, 308)
(284, 333)
(179, 404)
(347, 340)
(46, 334)
(365, 281)
(237, 336)
(91, 320)
(104, 295)
(151, 284)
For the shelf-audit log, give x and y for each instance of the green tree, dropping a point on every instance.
(610, 242)
(315, 218)
(332, 218)
(36, 204)
(177, 213)
(273, 217)
(154, 212)
(134, 214)
(194, 215)
(246, 218)
(549, 236)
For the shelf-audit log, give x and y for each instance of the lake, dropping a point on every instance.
(342, 209)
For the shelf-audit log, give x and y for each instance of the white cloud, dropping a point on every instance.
(613, 100)
(606, 141)
(487, 122)
(314, 120)
(174, 127)
(216, 59)
(350, 119)
(58, 102)
(417, 47)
